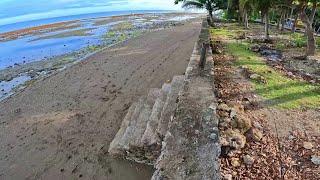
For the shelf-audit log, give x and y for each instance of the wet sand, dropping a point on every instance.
(61, 126)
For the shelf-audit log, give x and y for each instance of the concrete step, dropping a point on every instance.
(137, 150)
(121, 144)
(153, 94)
(138, 138)
(190, 149)
(166, 87)
(128, 139)
(117, 145)
(136, 128)
(139, 124)
(170, 105)
(150, 136)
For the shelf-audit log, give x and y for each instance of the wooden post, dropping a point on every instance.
(203, 53)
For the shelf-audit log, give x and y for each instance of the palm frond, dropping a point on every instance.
(193, 4)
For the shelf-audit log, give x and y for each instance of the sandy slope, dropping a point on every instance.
(61, 127)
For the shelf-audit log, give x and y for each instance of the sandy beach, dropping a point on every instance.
(60, 127)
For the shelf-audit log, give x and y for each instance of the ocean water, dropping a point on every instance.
(59, 43)
(42, 21)
(13, 11)
(35, 47)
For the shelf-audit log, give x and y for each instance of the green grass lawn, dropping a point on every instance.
(279, 90)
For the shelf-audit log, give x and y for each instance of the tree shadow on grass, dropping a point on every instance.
(281, 86)
(290, 97)
(283, 99)
(249, 63)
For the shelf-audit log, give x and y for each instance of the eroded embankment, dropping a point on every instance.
(268, 119)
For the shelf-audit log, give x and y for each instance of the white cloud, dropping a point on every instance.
(155, 4)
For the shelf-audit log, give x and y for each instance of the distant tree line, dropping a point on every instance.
(283, 13)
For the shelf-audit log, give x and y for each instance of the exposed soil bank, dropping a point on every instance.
(265, 134)
(61, 127)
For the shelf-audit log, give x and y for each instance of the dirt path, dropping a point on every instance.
(61, 127)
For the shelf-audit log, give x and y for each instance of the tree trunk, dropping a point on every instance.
(210, 18)
(318, 30)
(293, 29)
(246, 23)
(311, 43)
(266, 24)
(283, 21)
(210, 14)
(280, 20)
(262, 17)
(313, 12)
(291, 13)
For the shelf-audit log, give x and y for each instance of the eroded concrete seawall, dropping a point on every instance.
(191, 149)
(175, 128)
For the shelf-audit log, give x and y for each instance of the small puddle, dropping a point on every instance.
(7, 87)
(123, 169)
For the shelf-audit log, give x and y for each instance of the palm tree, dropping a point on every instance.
(198, 4)
(209, 5)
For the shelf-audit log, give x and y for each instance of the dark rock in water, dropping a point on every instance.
(6, 78)
(32, 74)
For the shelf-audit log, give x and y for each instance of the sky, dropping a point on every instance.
(12, 11)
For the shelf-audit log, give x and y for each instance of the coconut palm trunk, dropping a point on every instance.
(200, 4)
